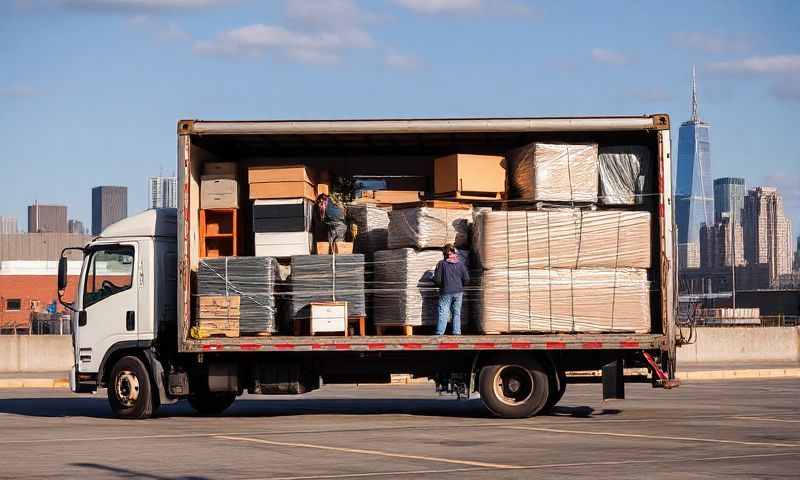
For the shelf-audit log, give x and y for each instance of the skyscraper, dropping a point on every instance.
(721, 245)
(8, 225)
(728, 199)
(109, 205)
(767, 232)
(693, 192)
(75, 226)
(162, 192)
(47, 218)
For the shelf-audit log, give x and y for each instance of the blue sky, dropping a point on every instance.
(90, 90)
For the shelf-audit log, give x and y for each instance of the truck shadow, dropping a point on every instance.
(97, 407)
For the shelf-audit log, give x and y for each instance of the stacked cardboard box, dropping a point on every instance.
(471, 174)
(562, 238)
(290, 181)
(282, 227)
(545, 172)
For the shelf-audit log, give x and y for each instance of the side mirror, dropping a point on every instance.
(62, 273)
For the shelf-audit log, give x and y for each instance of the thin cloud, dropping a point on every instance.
(141, 5)
(711, 42)
(508, 8)
(399, 61)
(304, 47)
(759, 65)
(609, 57)
(17, 91)
(166, 31)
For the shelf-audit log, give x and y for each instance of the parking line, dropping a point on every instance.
(764, 419)
(370, 452)
(655, 437)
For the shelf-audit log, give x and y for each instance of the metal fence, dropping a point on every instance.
(40, 324)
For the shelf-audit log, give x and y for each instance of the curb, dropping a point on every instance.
(34, 383)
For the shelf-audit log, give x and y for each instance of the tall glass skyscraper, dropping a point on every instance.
(728, 199)
(694, 194)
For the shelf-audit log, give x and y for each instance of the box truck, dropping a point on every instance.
(134, 305)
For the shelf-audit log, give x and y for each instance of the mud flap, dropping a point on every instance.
(614, 381)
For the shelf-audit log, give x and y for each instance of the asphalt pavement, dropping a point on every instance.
(713, 429)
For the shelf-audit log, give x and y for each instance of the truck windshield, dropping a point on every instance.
(110, 272)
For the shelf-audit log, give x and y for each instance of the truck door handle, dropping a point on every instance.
(130, 320)
(82, 318)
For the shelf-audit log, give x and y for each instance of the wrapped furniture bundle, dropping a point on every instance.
(429, 227)
(405, 293)
(545, 172)
(623, 175)
(373, 227)
(326, 278)
(562, 238)
(252, 279)
(565, 300)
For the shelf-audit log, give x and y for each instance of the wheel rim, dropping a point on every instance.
(513, 384)
(127, 388)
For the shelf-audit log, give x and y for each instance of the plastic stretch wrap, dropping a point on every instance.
(546, 172)
(562, 238)
(373, 227)
(251, 278)
(565, 300)
(326, 278)
(624, 172)
(428, 227)
(405, 293)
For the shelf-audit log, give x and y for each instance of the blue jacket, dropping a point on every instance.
(451, 276)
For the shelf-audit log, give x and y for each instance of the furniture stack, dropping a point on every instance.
(219, 208)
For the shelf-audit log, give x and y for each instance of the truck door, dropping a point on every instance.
(108, 303)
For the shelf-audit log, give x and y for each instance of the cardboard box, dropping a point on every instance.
(219, 168)
(284, 173)
(287, 189)
(219, 191)
(282, 244)
(328, 317)
(391, 196)
(470, 173)
(342, 248)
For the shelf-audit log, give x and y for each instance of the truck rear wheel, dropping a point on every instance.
(514, 388)
(129, 389)
(208, 403)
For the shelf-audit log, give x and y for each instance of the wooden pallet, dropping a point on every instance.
(404, 330)
(435, 203)
(461, 195)
(210, 328)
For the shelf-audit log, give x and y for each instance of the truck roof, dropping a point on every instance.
(156, 222)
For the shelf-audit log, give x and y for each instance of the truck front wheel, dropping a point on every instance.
(515, 388)
(207, 403)
(129, 391)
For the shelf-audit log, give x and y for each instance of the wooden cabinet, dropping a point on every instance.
(219, 232)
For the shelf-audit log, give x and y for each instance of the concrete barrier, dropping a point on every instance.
(35, 353)
(742, 344)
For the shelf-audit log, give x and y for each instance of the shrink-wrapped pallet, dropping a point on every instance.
(252, 279)
(562, 238)
(624, 172)
(373, 227)
(546, 172)
(429, 227)
(564, 300)
(327, 278)
(405, 293)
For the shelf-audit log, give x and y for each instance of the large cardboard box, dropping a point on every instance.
(282, 189)
(285, 173)
(470, 173)
(219, 191)
(219, 168)
(341, 248)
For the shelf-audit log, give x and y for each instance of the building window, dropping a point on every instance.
(13, 305)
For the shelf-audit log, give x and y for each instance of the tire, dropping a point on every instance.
(130, 391)
(514, 387)
(558, 386)
(207, 403)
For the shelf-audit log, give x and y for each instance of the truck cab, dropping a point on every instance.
(124, 299)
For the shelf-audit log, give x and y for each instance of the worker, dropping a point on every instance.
(330, 221)
(450, 276)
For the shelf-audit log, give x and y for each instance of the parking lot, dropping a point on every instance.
(738, 428)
